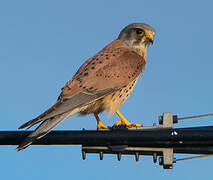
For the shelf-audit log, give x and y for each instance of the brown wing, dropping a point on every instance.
(111, 69)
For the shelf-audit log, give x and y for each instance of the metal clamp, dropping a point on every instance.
(166, 158)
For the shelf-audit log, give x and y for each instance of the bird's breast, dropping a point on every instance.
(114, 100)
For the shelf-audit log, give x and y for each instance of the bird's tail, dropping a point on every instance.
(45, 127)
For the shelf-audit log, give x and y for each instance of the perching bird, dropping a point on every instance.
(102, 83)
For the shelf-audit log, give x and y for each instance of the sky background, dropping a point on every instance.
(42, 45)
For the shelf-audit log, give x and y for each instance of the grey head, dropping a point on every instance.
(137, 36)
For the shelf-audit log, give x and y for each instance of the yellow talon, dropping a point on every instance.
(100, 125)
(118, 123)
(125, 122)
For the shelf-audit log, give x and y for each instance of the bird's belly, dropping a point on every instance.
(115, 100)
(110, 102)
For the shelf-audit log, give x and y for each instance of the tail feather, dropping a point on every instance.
(44, 128)
(30, 123)
(59, 112)
(40, 118)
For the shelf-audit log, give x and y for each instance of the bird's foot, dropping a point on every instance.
(124, 122)
(127, 124)
(100, 125)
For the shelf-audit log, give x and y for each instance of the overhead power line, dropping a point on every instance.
(161, 142)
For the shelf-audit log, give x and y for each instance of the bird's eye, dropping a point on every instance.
(139, 32)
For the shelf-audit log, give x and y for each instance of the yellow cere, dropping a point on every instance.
(149, 36)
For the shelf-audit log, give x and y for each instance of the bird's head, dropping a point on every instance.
(137, 36)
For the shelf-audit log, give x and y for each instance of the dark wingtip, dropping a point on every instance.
(26, 124)
(25, 144)
(19, 149)
(22, 126)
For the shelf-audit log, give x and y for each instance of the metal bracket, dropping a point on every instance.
(166, 157)
(168, 120)
(165, 154)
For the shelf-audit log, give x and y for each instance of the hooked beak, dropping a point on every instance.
(150, 38)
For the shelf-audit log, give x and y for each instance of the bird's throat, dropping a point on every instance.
(141, 51)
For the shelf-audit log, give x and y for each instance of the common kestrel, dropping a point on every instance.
(102, 83)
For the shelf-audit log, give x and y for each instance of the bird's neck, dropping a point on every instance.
(141, 51)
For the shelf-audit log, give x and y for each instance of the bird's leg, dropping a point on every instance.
(125, 122)
(99, 123)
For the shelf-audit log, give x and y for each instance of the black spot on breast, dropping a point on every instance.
(86, 74)
(93, 63)
(78, 79)
(92, 67)
(69, 88)
(120, 95)
(129, 77)
(84, 87)
(100, 62)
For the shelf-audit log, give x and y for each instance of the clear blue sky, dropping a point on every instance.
(42, 44)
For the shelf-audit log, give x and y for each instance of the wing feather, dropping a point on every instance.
(111, 69)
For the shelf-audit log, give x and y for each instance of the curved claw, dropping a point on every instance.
(125, 122)
(102, 126)
(129, 125)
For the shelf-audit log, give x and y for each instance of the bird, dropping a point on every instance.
(102, 83)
